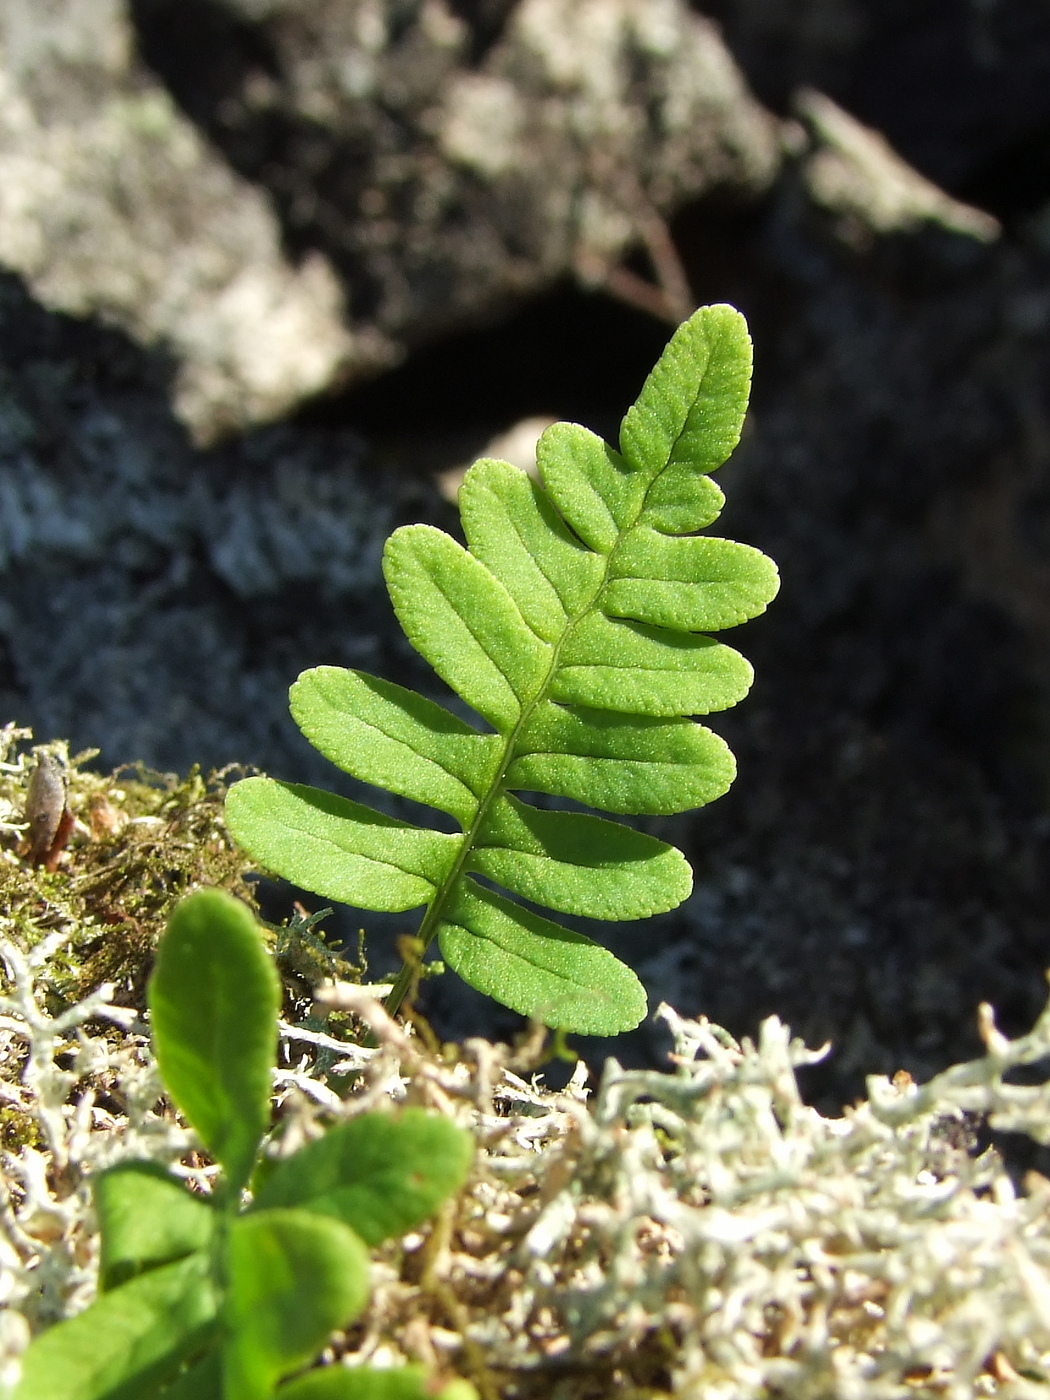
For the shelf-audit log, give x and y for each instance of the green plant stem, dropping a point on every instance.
(429, 925)
(399, 990)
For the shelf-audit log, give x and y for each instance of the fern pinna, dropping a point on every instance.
(575, 625)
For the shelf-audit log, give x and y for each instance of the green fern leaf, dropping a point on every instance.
(575, 624)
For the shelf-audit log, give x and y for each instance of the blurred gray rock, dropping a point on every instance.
(412, 185)
(111, 204)
(959, 88)
(448, 167)
(854, 174)
(157, 601)
(882, 864)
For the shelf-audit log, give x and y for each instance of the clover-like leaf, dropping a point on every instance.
(213, 1000)
(146, 1218)
(371, 1383)
(128, 1341)
(201, 1380)
(576, 625)
(377, 1173)
(292, 1277)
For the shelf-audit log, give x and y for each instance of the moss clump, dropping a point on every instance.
(18, 1129)
(140, 840)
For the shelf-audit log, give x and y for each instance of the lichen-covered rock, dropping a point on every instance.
(855, 175)
(878, 867)
(156, 600)
(447, 167)
(959, 88)
(112, 204)
(373, 143)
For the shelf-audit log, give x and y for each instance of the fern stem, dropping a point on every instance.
(431, 919)
(399, 990)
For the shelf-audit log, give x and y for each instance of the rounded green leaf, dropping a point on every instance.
(292, 1279)
(370, 1383)
(128, 1341)
(201, 1380)
(621, 763)
(463, 620)
(146, 1217)
(579, 864)
(390, 736)
(681, 501)
(698, 584)
(594, 488)
(337, 848)
(213, 998)
(690, 412)
(379, 1173)
(514, 529)
(628, 666)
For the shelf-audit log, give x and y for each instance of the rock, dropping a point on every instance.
(414, 186)
(854, 174)
(112, 204)
(960, 90)
(517, 445)
(447, 168)
(880, 866)
(157, 601)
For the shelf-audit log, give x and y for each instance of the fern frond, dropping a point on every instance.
(575, 623)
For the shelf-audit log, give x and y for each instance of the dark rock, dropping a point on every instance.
(155, 598)
(881, 864)
(961, 88)
(364, 176)
(111, 205)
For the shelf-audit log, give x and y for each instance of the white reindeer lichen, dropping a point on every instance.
(694, 1233)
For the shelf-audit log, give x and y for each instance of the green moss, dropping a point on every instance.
(141, 841)
(303, 956)
(18, 1129)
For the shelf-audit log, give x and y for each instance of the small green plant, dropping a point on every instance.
(202, 1298)
(575, 625)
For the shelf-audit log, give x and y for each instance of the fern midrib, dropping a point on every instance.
(435, 910)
